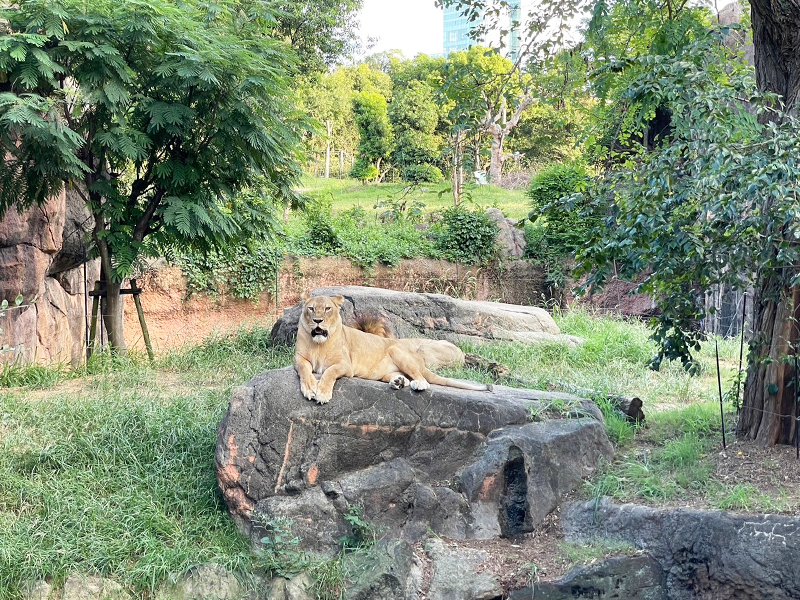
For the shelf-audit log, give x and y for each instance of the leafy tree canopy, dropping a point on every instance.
(159, 113)
(321, 32)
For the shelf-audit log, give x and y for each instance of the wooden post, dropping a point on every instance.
(139, 311)
(93, 329)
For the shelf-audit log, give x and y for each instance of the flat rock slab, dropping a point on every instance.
(706, 554)
(434, 315)
(460, 463)
(619, 578)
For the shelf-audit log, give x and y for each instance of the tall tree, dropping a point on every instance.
(321, 32)
(158, 114)
(715, 202)
(543, 32)
(414, 117)
(375, 146)
(770, 408)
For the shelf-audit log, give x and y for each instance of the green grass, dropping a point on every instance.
(109, 469)
(346, 193)
(114, 475)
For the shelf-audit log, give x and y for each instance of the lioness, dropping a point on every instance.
(325, 345)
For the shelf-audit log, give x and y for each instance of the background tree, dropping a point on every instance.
(320, 31)
(328, 98)
(715, 202)
(158, 114)
(544, 32)
(375, 145)
(414, 117)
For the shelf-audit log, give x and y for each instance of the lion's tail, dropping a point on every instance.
(455, 383)
(374, 324)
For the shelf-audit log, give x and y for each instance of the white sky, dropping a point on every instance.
(412, 26)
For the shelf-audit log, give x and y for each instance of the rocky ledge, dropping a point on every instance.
(457, 463)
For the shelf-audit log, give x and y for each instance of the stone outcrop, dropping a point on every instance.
(434, 315)
(42, 250)
(705, 554)
(510, 238)
(459, 463)
(619, 578)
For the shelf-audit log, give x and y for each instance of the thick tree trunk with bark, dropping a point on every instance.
(769, 408)
(499, 127)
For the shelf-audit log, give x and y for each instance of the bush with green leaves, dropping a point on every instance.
(566, 225)
(242, 272)
(424, 173)
(320, 229)
(466, 236)
(364, 171)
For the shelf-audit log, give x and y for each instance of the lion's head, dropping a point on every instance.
(320, 317)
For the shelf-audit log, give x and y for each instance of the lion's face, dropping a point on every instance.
(321, 316)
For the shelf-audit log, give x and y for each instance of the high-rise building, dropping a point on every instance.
(456, 31)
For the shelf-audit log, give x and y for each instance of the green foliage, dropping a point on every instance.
(466, 236)
(713, 205)
(320, 230)
(280, 551)
(244, 272)
(372, 118)
(363, 170)
(362, 532)
(423, 173)
(321, 32)
(173, 122)
(566, 225)
(415, 116)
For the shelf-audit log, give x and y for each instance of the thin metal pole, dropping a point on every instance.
(741, 352)
(719, 386)
(86, 307)
(797, 411)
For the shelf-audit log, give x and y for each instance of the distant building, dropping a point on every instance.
(456, 34)
(456, 31)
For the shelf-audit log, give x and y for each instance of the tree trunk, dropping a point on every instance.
(458, 171)
(496, 164)
(328, 149)
(769, 408)
(112, 317)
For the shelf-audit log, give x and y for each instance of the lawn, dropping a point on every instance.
(109, 469)
(346, 193)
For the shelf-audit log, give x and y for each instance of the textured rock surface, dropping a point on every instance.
(705, 554)
(210, 581)
(434, 315)
(444, 459)
(41, 253)
(89, 587)
(297, 588)
(510, 238)
(455, 576)
(384, 572)
(622, 578)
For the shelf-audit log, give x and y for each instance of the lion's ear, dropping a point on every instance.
(338, 300)
(305, 296)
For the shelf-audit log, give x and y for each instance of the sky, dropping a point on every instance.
(412, 26)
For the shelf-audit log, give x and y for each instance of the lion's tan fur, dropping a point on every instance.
(325, 345)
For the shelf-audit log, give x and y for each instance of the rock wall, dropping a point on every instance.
(41, 258)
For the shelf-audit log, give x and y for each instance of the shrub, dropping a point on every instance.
(424, 173)
(320, 229)
(364, 171)
(466, 236)
(566, 227)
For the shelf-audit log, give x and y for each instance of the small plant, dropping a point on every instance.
(467, 237)
(363, 533)
(556, 407)
(595, 549)
(424, 173)
(401, 208)
(281, 551)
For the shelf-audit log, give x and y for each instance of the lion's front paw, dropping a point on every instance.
(398, 383)
(420, 385)
(309, 390)
(323, 396)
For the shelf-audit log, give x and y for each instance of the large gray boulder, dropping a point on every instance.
(434, 315)
(618, 578)
(459, 463)
(705, 554)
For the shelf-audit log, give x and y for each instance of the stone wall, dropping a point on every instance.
(41, 258)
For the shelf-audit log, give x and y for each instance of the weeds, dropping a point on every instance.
(595, 549)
